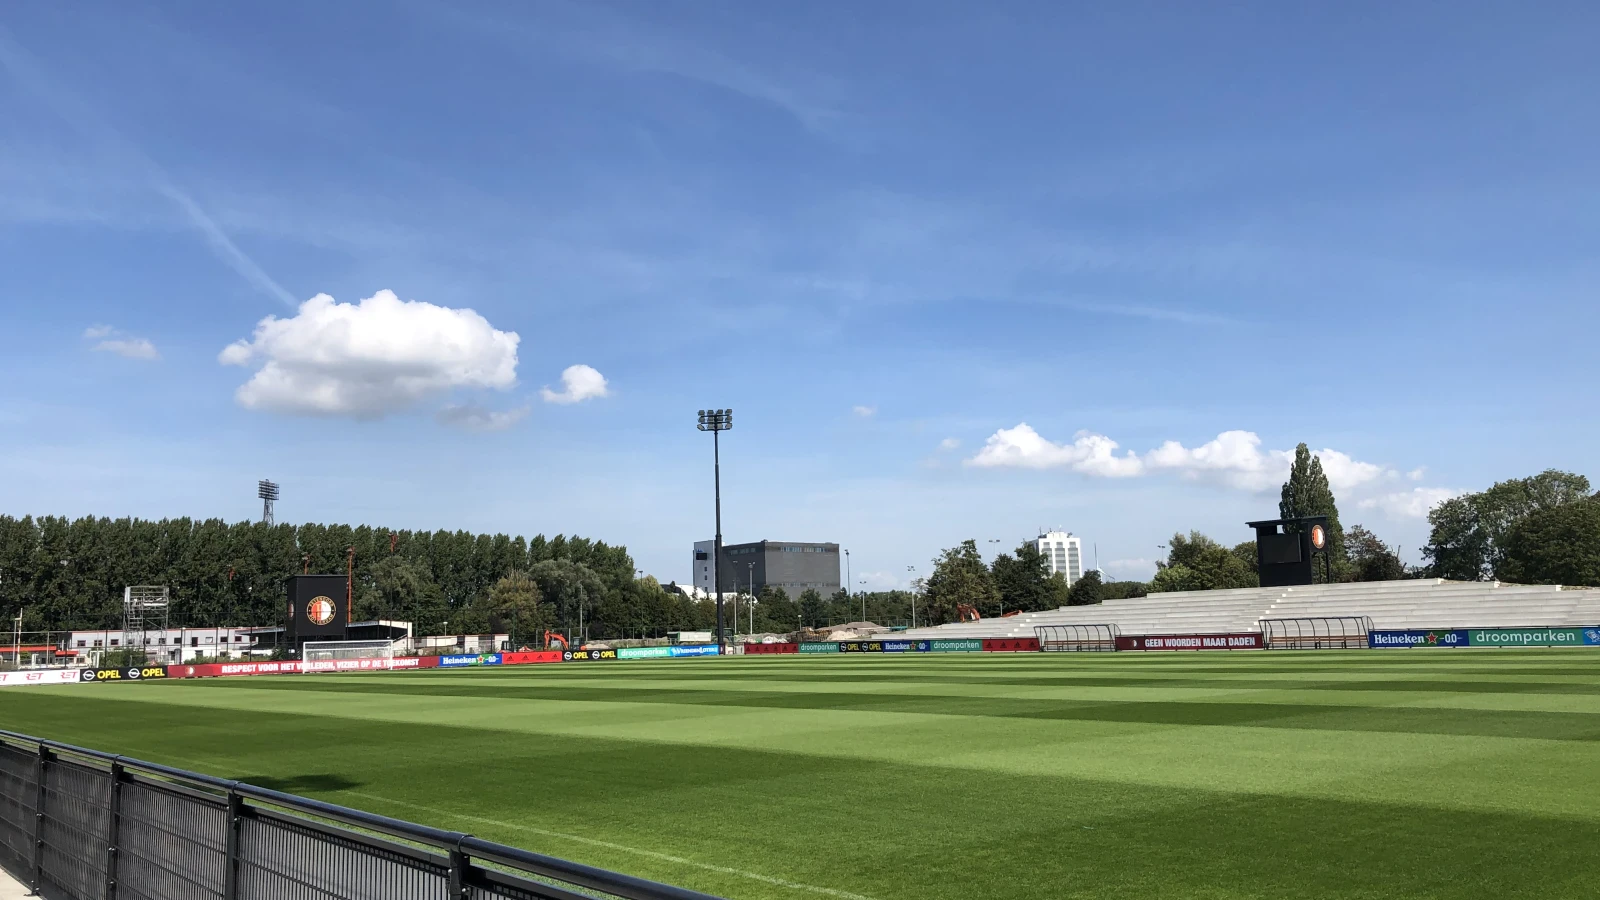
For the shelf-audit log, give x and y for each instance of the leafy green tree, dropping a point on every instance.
(1466, 541)
(1371, 559)
(1198, 563)
(1122, 590)
(1307, 493)
(959, 578)
(1556, 545)
(573, 589)
(775, 612)
(813, 609)
(1023, 581)
(515, 608)
(1088, 590)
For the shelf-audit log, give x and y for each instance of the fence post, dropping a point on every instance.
(230, 875)
(458, 871)
(38, 822)
(113, 825)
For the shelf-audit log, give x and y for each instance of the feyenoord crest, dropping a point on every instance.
(1319, 537)
(320, 611)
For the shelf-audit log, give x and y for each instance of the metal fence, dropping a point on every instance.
(79, 824)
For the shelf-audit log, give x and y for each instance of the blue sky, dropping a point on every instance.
(888, 235)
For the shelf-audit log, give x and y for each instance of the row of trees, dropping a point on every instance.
(62, 574)
(1544, 529)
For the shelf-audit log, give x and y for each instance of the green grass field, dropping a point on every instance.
(1381, 774)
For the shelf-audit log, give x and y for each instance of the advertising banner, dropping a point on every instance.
(771, 648)
(647, 652)
(1418, 638)
(529, 657)
(129, 673)
(1241, 641)
(1010, 645)
(363, 665)
(960, 645)
(696, 649)
(1533, 637)
(905, 646)
(820, 647)
(587, 655)
(469, 659)
(860, 646)
(42, 676)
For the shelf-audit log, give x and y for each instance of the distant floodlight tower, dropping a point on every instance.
(268, 492)
(717, 421)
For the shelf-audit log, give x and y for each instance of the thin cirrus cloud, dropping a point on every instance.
(864, 412)
(110, 340)
(472, 417)
(367, 360)
(1413, 504)
(1233, 458)
(578, 383)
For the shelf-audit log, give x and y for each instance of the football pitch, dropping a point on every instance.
(1376, 774)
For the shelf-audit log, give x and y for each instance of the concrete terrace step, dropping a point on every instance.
(1431, 603)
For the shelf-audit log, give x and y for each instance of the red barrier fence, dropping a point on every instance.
(1242, 641)
(771, 648)
(1011, 645)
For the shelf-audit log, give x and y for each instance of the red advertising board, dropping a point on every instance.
(1010, 645)
(1242, 641)
(771, 648)
(531, 656)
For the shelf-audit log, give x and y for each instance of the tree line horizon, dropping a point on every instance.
(62, 574)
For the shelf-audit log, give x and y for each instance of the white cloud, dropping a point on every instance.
(1417, 473)
(477, 418)
(130, 348)
(949, 444)
(123, 345)
(1413, 504)
(1234, 458)
(1022, 447)
(369, 359)
(578, 383)
(865, 412)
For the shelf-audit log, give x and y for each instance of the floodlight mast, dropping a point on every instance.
(268, 492)
(717, 421)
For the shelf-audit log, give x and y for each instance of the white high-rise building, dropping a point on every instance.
(1062, 552)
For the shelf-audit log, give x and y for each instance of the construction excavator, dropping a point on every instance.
(965, 613)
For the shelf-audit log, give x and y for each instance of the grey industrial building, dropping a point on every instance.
(794, 566)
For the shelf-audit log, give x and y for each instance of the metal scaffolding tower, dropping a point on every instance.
(144, 609)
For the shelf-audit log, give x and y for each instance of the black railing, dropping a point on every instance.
(79, 824)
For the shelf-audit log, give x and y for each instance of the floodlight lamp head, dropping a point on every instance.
(266, 490)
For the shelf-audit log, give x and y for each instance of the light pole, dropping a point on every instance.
(863, 583)
(913, 571)
(847, 579)
(717, 421)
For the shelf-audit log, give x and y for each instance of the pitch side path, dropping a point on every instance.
(1374, 774)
